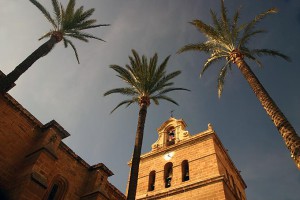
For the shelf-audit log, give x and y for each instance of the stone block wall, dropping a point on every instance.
(33, 159)
(212, 174)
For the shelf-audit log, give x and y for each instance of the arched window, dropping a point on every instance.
(151, 185)
(53, 193)
(185, 171)
(58, 189)
(171, 136)
(168, 173)
(3, 194)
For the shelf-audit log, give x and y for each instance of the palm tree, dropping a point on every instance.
(145, 82)
(228, 40)
(67, 23)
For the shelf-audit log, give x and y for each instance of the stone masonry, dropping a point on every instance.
(211, 173)
(35, 163)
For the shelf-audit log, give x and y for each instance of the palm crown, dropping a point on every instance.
(146, 81)
(69, 23)
(226, 39)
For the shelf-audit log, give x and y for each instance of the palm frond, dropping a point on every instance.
(195, 47)
(93, 26)
(124, 74)
(73, 47)
(128, 102)
(235, 29)
(221, 78)
(46, 35)
(163, 82)
(87, 35)
(211, 60)
(171, 89)
(70, 8)
(57, 12)
(70, 22)
(156, 102)
(137, 61)
(225, 23)
(215, 19)
(171, 76)
(131, 71)
(84, 24)
(63, 15)
(270, 52)
(206, 29)
(152, 65)
(225, 37)
(253, 58)
(85, 15)
(145, 79)
(77, 36)
(125, 91)
(77, 16)
(165, 98)
(65, 43)
(44, 11)
(160, 72)
(245, 38)
(250, 26)
(143, 75)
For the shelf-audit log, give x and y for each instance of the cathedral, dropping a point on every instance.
(35, 164)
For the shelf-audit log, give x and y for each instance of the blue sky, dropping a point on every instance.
(56, 87)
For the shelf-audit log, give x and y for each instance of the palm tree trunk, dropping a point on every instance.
(6, 82)
(134, 171)
(286, 130)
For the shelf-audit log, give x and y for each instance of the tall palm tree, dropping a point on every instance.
(146, 81)
(227, 40)
(66, 23)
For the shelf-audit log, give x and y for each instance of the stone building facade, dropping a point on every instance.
(35, 164)
(185, 167)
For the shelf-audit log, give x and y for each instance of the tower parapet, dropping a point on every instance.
(171, 132)
(190, 167)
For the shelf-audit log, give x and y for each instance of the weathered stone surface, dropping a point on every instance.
(212, 174)
(33, 159)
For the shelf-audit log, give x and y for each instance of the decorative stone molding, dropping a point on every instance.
(40, 179)
(176, 125)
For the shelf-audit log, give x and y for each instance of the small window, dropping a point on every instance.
(53, 192)
(151, 185)
(3, 194)
(57, 190)
(168, 174)
(185, 171)
(171, 137)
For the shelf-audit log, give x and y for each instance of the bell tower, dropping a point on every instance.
(182, 166)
